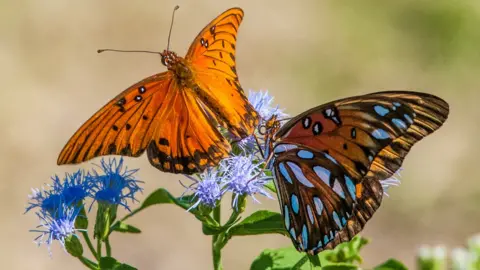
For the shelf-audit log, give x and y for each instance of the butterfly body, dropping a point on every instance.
(174, 115)
(329, 162)
(181, 70)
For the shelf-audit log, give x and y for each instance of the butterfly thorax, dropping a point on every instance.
(179, 67)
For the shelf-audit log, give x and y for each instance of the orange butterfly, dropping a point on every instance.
(174, 115)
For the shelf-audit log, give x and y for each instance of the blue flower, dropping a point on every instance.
(248, 144)
(72, 190)
(392, 181)
(207, 191)
(47, 200)
(244, 177)
(57, 226)
(262, 102)
(115, 185)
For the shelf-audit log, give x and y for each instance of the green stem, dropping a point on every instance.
(90, 246)
(99, 248)
(216, 251)
(300, 263)
(89, 264)
(108, 247)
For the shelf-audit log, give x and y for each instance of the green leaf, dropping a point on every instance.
(123, 227)
(160, 196)
(124, 266)
(270, 185)
(260, 222)
(348, 252)
(109, 263)
(289, 258)
(391, 264)
(340, 266)
(279, 259)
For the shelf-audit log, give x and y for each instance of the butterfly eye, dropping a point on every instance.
(262, 130)
(164, 62)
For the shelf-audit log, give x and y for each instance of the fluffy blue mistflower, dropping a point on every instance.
(47, 199)
(392, 181)
(57, 226)
(207, 191)
(262, 102)
(114, 185)
(244, 177)
(73, 189)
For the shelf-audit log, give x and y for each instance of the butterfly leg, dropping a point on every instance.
(259, 146)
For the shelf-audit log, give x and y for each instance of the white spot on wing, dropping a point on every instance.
(318, 205)
(297, 171)
(338, 188)
(323, 173)
(310, 214)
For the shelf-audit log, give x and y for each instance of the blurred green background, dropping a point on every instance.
(304, 52)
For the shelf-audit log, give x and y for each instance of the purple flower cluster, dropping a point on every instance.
(392, 181)
(242, 173)
(60, 203)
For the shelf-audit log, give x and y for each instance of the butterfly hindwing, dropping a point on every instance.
(320, 202)
(186, 140)
(156, 115)
(370, 133)
(212, 56)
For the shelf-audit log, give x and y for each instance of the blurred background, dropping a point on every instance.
(305, 53)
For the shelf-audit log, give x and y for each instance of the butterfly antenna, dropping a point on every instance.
(113, 50)
(285, 119)
(171, 26)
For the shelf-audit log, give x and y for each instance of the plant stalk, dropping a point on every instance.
(216, 249)
(90, 245)
(108, 247)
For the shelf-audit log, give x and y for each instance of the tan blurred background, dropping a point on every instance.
(304, 52)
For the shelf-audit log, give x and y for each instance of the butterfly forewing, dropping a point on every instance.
(154, 115)
(373, 132)
(212, 56)
(109, 130)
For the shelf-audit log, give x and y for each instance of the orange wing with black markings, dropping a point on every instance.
(173, 115)
(212, 56)
(154, 115)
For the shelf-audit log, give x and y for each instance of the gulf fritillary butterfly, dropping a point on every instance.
(174, 115)
(328, 161)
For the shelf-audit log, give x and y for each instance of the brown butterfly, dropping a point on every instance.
(329, 162)
(174, 115)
